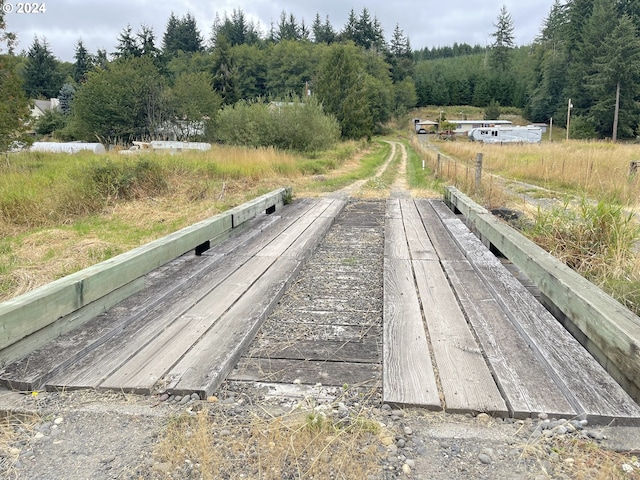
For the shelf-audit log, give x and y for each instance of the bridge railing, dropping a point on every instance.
(32, 319)
(605, 327)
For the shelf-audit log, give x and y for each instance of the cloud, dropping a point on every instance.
(427, 24)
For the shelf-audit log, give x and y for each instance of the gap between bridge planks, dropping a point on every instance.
(465, 379)
(407, 374)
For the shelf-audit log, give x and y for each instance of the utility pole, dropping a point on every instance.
(569, 107)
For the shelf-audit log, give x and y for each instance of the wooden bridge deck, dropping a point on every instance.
(458, 331)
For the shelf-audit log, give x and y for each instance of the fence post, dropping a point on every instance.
(438, 166)
(478, 170)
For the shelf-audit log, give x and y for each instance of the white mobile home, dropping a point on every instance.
(502, 134)
(464, 126)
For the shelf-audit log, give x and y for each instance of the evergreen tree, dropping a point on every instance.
(364, 30)
(101, 59)
(181, 35)
(503, 42)
(615, 82)
(223, 72)
(65, 98)
(400, 56)
(323, 33)
(127, 46)
(6, 37)
(288, 28)
(83, 63)
(340, 87)
(147, 42)
(42, 77)
(349, 32)
(595, 28)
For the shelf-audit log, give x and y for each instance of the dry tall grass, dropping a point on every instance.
(595, 169)
(60, 213)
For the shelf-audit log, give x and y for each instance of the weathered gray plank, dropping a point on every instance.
(28, 379)
(35, 310)
(607, 325)
(203, 368)
(465, 378)
(420, 247)
(285, 239)
(307, 372)
(408, 376)
(170, 290)
(520, 375)
(395, 242)
(206, 365)
(358, 351)
(148, 365)
(569, 363)
(308, 243)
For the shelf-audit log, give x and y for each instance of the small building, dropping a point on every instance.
(424, 126)
(464, 126)
(40, 107)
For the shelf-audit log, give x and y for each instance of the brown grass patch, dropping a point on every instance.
(303, 443)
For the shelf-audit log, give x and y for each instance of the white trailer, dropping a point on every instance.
(503, 134)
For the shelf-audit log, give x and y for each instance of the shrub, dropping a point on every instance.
(299, 126)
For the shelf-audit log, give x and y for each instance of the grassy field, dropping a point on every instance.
(60, 213)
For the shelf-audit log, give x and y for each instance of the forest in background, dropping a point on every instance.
(350, 81)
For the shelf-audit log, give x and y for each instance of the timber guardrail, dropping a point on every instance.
(609, 330)
(30, 320)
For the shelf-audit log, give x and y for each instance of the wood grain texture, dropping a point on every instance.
(574, 370)
(519, 374)
(408, 376)
(307, 372)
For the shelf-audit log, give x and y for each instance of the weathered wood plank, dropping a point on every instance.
(307, 372)
(357, 351)
(90, 370)
(395, 243)
(25, 379)
(571, 366)
(420, 247)
(150, 309)
(140, 373)
(465, 378)
(208, 362)
(607, 324)
(308, 243)
(519, 374)
(286, 238)
(408, 376)
(35, 310)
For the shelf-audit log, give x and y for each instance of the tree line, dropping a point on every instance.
(587, 51)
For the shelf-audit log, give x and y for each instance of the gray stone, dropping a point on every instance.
(484, 458)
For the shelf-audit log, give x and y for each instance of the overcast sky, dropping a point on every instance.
(426, 23)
